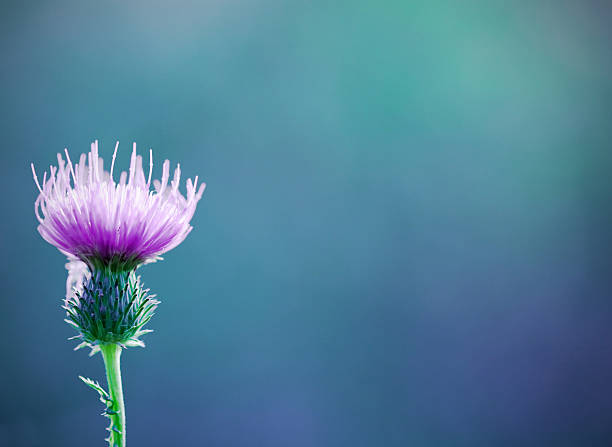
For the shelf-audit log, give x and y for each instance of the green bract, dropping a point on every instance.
(112, 307)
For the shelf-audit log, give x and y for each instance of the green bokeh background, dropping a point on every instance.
(405, 239)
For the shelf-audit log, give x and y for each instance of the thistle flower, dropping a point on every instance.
(107, 229)
(87, 215)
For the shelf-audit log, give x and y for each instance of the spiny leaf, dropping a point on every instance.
(104, 396)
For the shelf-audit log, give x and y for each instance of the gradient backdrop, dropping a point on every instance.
(405, 240)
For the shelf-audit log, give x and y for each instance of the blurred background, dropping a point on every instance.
(405, 239)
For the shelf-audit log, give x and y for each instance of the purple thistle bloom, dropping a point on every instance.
(90, 217)
(107, 229)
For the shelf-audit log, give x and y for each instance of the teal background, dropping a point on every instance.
(405, 239)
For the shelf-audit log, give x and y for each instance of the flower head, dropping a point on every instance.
(107, 224)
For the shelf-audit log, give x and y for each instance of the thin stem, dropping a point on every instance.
(112, 355)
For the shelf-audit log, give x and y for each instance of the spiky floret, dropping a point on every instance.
(86, 214)
(111, 307)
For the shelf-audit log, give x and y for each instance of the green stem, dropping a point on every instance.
(112, 355)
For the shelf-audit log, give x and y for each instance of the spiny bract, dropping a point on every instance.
(111, 307)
